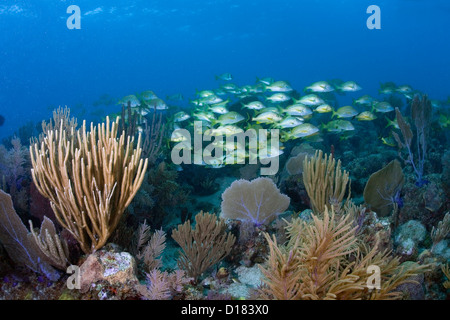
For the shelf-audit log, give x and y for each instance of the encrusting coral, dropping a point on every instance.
(90, 177)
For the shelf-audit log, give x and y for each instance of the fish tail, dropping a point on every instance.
(389, 122)
(334, 113)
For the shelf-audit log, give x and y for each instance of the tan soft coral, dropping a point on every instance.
(327, 261)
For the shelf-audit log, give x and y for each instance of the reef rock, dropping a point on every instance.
(433, 197)
(249, 278)
(116, 269)
(412, 290)
(408, 238)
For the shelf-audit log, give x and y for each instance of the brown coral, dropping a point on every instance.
(203, 246)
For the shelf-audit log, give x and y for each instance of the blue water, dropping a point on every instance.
(177, 46)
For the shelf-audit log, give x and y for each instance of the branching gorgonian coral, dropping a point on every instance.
(324, 260)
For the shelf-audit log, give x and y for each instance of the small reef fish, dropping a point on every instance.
(157, 103)
(349, 86)
(387, 88)
(279, 86)
(267, 117)
(267, 80)
(382, 107)
(229, 87)
(180, 116)
(365, 100)
(310, 100)
(320, 86)
(254, 105)
(220, 92)
(393, 123)
(278, 97)
(267, 153)
(389, 141)
(132, 99)
(323, 108)
(224, 76)
(141, 111)
(178, 136)
(204, 116)
(297, 109)
(289, 122)
(219, 109)
(182, 145)
(404, 89)
(337, 126)
(226, 130)
(436, 104)
(205, 93)
(148, 95)
(212, 99)
(214, 163)
(304, 130)
(257, 88)
(220, 104)
(345, 112)
(366, 116)
(231, 117)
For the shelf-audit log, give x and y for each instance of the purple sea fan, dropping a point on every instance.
(258, 201)
(157, 286)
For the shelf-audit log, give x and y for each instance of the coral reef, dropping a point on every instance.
(340, 211)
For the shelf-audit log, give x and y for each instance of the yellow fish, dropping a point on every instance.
(323, 108)
(389, 141)
(366, 116)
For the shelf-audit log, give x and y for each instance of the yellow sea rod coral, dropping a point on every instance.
(90, 177)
